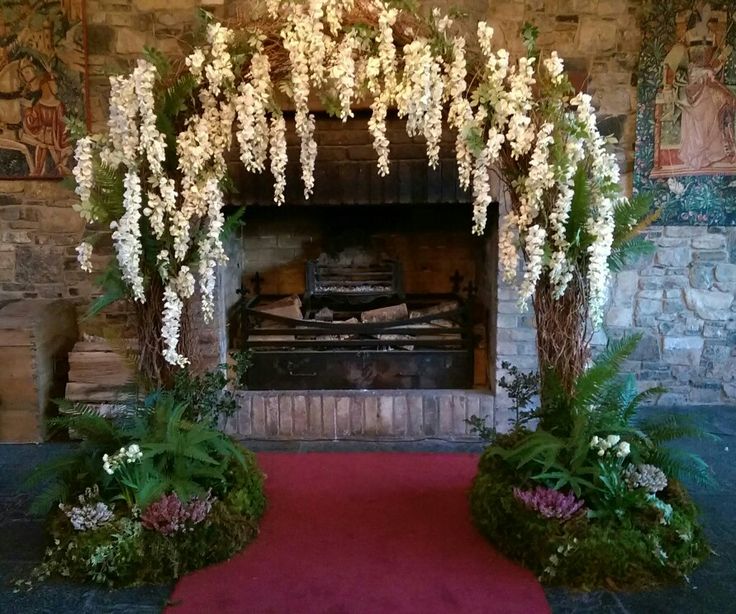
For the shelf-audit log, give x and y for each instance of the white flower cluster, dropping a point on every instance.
(84, 256)
(251, 106)
(126, 235)
(112, 462)
(649, 477)
(381, 76)
(555, 68)
(419, 95)
(83, 175)
(277, 150)
(600, 225)
(90, 514)
(612, 443)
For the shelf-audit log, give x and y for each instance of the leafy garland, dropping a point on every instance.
(159, 176)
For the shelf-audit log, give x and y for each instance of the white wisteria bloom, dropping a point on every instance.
(84, 256)
(534, 243)
(127, 236)
(251, 106)
(555, 68)
(171, 328)
(84, 177)
(277, 148)
(342, 73)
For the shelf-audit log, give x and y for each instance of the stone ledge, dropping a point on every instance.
(358, 414)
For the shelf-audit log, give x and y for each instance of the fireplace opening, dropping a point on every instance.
(365, 297)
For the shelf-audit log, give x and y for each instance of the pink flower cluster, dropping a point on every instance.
(170, 514)
(550, 503)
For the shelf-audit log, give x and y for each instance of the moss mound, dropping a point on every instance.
(587, 553)
(123, 552)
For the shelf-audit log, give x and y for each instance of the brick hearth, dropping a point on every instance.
(361, 414)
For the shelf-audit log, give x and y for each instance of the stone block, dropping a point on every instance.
(673, 256)
(685, 351)
(683, 231)
(621, 317)
(648, 307)
(130, 41)
(285, 404)
(701, 276)
(627, 284)
(709, 304)
(648, 349)
(357, 419)
(37, 264)
(314, 415)
(342, 417)
(371, 416)
(431, 416)
(709, 241)
(258, 416)
(725, 272)
(400, 416)
(415, 418)
(729, 390)
(597, 35)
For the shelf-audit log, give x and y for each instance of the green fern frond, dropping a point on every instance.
(669, 427)
(629, 251)
(682, 465)
(159, 60)
(631, 216)
(595, 380)
(575, 230)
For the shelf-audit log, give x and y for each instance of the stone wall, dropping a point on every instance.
(687, 341)
(682, 300)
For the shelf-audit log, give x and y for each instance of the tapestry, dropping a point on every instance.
(686, 115)
(42, 85)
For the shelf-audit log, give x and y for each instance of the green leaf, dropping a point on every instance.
(575, 230)
(159, 60)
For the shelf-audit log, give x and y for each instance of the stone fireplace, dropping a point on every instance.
(416, 218)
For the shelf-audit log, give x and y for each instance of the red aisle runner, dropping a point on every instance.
(366, 533)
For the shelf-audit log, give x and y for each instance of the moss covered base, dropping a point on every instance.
(122, 552)
(621, 554)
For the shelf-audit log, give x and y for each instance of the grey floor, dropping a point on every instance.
(711, 589)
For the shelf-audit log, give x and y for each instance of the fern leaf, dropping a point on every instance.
(596, 379)
(628, 251)
(683, 465)
(579, 208)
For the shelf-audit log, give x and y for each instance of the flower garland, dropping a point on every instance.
(515, 115)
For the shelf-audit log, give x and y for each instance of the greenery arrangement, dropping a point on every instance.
(592, 498)
(148, 495)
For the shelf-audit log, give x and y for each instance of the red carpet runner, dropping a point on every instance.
(364, 534)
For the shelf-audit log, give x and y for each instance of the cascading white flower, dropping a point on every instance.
(342, 73)
(279, 159)
(419, 95)
(84, 177)
(251, 105)
(84, 256)
(126, 236)
(171, 327)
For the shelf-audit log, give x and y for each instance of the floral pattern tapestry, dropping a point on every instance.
(42, 85)
(686, 116)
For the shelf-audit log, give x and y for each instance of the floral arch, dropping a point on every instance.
(159, 176)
